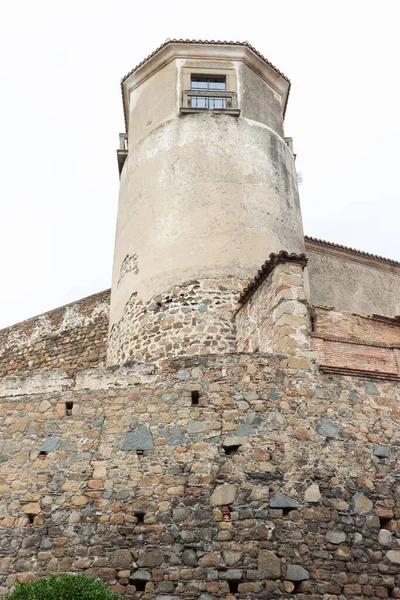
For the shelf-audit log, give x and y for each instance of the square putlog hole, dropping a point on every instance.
(195, 397)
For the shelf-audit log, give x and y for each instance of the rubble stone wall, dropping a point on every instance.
(194, 318)
(71, 337)
(269, 480)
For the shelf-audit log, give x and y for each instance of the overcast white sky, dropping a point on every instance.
(61, 112)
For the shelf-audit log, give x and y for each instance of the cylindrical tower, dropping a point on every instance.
(208, 190)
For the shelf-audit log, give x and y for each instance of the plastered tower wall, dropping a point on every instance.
(205, 196)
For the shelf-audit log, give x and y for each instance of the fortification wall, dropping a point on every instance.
(72, 337)
(279, 480)
(352, 281)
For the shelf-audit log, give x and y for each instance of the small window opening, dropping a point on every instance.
(140, 516)
(234, 585)
(195, 398)
(140, 453)
(226, 513)
(31, 517)
(68, 407)
(390, 592)
(140, 584)
(384, 522)
(231, 450)
(297, 587)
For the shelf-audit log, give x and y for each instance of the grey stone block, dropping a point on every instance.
(138, 439)
(232, 574)
(177, 437)
(370, 388)
(327, 429)
(296, 573)
(382, 451)
(279, 500)
(141, 575)
(189, 558)
(49, 444)
(335, 537)
(197, 427)
(243, 430)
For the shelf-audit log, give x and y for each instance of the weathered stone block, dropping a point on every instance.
(269, 565)
(279, 500)
(296, 573)
(327, 428)
(139, 438)
(382, 451)
(122, 559)
(49, 444)
(384, 537)
(394, 556)
(149, 558)
(312, 493)
(336, 537)
(223, 495)
(361, 504)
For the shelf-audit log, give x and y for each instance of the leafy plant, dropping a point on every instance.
(62, 587)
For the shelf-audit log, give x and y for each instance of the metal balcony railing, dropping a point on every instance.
(122, 151)
(215, 100)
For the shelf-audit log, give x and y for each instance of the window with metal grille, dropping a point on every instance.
(208, 84)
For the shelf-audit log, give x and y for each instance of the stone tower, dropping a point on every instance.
(208, 190)
(249, 445)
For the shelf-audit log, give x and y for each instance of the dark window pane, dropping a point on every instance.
(217, 84)
(199, 83)
(208, 83)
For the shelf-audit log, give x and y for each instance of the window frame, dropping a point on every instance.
(209, 71)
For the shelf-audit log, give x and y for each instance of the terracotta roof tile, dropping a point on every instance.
(210, 42)
(267, 268)
(360, 252)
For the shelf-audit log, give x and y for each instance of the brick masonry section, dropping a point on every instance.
(374, 329)
(352, 358)
(354, 344)
(71, 337)
(279, 481)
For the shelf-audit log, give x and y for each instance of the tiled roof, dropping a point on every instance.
(267, 267)
(360, 252)
(210, 42)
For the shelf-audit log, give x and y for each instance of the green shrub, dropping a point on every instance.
(62, 587)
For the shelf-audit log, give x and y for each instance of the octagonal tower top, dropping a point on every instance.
(201, 50)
